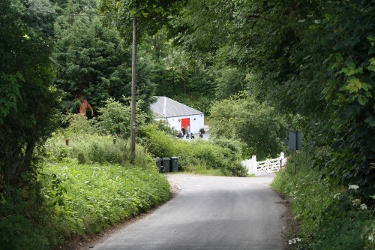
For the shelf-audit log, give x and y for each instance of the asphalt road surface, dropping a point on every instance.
(208, 213)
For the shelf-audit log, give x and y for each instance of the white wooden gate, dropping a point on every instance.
(264, 167)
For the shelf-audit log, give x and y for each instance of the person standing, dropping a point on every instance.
(183, 131)
(188, 132)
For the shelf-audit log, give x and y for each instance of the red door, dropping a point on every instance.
(185, 122)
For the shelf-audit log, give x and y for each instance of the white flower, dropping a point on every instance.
(363, 206)
(356, 202)
(337, 196)
(26, 36)
(353, 186)
(294, 241)
(371, 237)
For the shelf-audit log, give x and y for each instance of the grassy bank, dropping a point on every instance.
(78, 200)
(90, 198)
(331, 216)
(87, 182)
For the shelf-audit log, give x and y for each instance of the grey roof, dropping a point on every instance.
(166, 107)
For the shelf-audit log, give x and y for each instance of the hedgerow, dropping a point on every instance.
(195, 155)
(332, 217)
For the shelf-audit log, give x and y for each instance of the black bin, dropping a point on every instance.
(158, 162)
(166, 164)
(174, 164)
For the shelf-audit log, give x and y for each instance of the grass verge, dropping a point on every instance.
(90, 198)
(331, 216)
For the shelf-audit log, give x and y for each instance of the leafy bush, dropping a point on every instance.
(234, 145)
(70, 199)
(115, 119)
(87, 148)
(256, 125)
(198, 156)
(157, 142)
(94, 197)
(163, 125)
(332, 216)
(22, 220)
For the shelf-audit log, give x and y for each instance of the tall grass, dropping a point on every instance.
(331, 216)
(86, 183)
(89, 198)
(81, 189)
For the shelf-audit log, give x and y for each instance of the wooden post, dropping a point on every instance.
(253, 166)
(282, 156)
(133, 92)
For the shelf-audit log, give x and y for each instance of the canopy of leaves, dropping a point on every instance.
(313, 58)
(262, 36)
(347, 32)
(150, 15)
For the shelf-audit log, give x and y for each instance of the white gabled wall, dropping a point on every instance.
(196, 122)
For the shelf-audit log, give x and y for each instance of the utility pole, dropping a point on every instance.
(133, 92)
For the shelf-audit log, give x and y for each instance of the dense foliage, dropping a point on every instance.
(330, 215)
(314, 59)
(256, 125)
(197, 155)
(27, 104)
(308, 65)
(350, 48)
(115, 119)
(81, 200)
(310, 58)
(93, 62)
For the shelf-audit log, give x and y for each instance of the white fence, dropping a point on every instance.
(264, 167)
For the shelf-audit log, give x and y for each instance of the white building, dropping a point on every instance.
(177, 114)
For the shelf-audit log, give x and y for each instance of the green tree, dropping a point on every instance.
(28, 108)
(93, 62)
(256, 125)
(151, 16)
(347, 36)
(115, 118)
(141, 18)
(313, 58)
(28, 97)
(230, 81)
(90, 62)
(265, 38)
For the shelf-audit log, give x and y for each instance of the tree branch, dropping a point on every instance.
(265, 18)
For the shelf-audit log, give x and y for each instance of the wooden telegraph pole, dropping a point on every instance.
(133, 92)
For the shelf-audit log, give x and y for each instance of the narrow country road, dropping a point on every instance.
(208, 213)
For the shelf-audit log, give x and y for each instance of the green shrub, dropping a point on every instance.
(163, 125)
(22, 219)
(198, 156)
(96, 196)
(115, 117)
(87, 148)
(331, 216)
(157, 142)
(234, 146)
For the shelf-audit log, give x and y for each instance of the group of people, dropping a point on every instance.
(186, 133)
